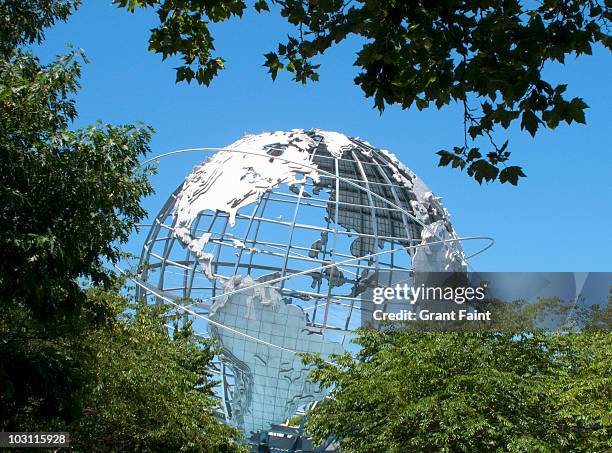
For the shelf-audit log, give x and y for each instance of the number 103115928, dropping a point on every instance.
(34, 439)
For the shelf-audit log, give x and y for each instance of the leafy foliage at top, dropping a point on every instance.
(24, 21)
(488, 56)
(184, 31)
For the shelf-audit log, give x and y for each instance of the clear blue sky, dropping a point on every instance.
(558, 219)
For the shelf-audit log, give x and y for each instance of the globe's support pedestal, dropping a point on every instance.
(288, 439)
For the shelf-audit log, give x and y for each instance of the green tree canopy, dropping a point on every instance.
(75, 354)
(468, 392)
(487, 56)
(69, 198)
(147, 390)
(24, 21)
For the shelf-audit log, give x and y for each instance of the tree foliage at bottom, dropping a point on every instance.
(147, 390)
(468, 392)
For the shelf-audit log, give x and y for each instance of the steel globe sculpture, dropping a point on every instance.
(268, 245)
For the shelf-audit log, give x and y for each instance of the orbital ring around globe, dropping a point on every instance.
(337, 263)
(267, 289)
(186, 308)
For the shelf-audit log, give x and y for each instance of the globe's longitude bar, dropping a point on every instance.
(295, 214)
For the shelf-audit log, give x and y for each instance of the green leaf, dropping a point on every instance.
(511, 175)
(261, 5)
(474, 153)
(482, 170)
(577, 108)
(530, 122)
(273, 64)
(446, 158)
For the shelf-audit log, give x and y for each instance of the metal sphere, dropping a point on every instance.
(269, 244)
